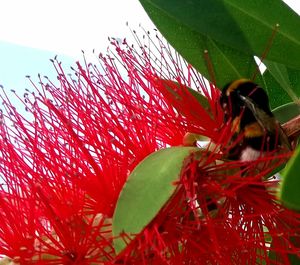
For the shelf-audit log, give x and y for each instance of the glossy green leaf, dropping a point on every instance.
(290, 185)
(148, 188)
(224, 63)
(277, 95)
(246, 26)
(288, 79)
(287, 112)
(294, 77)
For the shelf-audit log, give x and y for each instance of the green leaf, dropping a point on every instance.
(287, 112)
(287, 78)
(290, 185)
(246, 26)
(277, 95)
(227, 64)
(148, 188)
(294, 77)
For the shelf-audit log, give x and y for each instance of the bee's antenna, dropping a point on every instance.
(266, 51)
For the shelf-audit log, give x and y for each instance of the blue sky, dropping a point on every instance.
(18, 61)
(40, 29)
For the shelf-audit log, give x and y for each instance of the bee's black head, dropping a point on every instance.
(232, 103)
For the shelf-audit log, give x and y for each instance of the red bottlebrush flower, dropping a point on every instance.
(215, 218)
(64, 165)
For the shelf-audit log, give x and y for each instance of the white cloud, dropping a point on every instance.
(67, 26)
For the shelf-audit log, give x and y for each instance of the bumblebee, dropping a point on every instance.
(246, 106)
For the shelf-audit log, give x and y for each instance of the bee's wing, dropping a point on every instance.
(264, 121)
